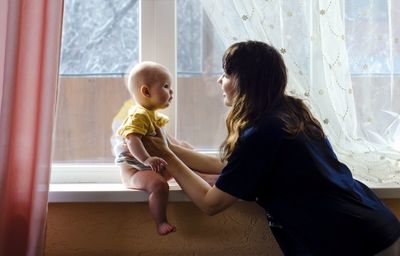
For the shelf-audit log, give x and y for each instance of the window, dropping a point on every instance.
(101, 41)
(373, 44)
(370, 21)
(199, 54)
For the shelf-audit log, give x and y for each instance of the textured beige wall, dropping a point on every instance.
(127, 229)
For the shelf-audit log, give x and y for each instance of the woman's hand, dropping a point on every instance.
(157, 145)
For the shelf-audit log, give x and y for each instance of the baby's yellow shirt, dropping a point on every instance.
(141, 121)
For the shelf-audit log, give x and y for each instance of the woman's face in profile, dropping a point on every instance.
(228, 89)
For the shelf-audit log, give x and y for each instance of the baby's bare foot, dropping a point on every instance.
(165, 228)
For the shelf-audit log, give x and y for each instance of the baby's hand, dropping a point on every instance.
(157, 164)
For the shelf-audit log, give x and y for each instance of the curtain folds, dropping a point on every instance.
(30, 33)
(343, 59)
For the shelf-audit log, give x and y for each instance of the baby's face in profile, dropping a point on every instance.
(150, 85)
(161, 90)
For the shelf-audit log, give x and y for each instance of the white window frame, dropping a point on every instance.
(157, 42)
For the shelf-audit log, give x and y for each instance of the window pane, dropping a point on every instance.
(368, 24)
(200, 112)
(99, 37)
(372, 40)
(99, 44)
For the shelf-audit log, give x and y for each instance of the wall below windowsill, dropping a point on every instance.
(123, 228)
(116, 192)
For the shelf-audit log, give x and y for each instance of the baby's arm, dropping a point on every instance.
(135, 145)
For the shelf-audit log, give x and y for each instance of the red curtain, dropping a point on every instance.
(30, 33)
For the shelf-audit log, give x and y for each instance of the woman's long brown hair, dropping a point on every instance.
(259, 74)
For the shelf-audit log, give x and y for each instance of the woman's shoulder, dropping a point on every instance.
(271, 120)
(269, 126)
(271, 123)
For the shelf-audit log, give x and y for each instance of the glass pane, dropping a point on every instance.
(99, 44)
(368, 22)
(372, 40)
(200, 112)
(100, 37)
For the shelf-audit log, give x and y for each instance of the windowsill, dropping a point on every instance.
(101, 183)
(106, 192)
(115, 192)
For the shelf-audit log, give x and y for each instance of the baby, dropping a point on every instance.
(149, 84)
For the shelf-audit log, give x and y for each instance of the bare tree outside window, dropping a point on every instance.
(100, 37)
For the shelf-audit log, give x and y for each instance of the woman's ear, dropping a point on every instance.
(144, 89)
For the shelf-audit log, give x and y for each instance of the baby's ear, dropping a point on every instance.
(144, 89)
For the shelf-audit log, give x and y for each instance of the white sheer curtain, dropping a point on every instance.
(343, 59)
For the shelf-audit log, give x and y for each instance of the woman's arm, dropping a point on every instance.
(209, 199)
(198, 161)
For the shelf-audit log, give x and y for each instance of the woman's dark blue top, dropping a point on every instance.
(313, 196)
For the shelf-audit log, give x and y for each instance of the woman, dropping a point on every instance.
(276, 154)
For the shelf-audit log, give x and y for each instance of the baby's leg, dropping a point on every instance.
(158, 190)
